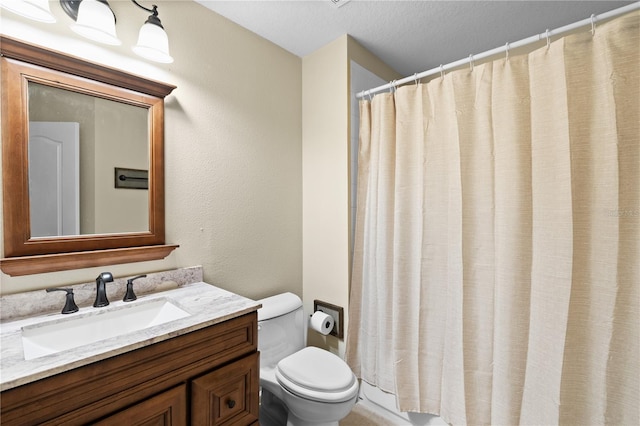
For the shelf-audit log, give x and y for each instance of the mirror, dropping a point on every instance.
(86, 204)
(76, 145)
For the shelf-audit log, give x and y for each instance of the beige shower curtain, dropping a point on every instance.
(496, 265)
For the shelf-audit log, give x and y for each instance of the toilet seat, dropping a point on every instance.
(318, 375)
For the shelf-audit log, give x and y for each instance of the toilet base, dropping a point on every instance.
(274, 412)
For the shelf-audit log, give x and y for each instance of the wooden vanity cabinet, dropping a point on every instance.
(206, 377)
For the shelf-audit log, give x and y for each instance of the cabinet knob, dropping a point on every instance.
(231, 403)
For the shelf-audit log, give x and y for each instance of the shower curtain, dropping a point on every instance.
(496, 266)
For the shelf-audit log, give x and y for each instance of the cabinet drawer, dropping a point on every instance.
(167, 409)
(228, 395)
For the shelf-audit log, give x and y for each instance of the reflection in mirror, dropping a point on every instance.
(76, 142)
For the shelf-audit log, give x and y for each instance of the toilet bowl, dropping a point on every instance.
(300, 385)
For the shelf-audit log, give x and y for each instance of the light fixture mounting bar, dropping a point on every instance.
(154, 10)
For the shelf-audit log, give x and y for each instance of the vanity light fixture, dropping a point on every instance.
(96, 20)
(37, 10)
(153, 42)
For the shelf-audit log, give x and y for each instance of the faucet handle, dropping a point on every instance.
(70, 304)
(130, 296)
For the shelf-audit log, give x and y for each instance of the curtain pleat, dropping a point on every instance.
(496, 267)
(552, 235)
(407, 242)
(622, 383)
(513, 229)
(593, 156)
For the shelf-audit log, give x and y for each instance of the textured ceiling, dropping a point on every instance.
(410, 36)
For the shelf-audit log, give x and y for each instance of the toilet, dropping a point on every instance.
(299, 385)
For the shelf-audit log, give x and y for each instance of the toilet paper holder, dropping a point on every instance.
(337, 312)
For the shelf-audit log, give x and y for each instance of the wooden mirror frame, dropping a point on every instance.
(21, 63)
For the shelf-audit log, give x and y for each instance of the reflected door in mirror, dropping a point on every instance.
(54, 178)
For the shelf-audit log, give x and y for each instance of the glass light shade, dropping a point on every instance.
(153, 44)
(37, 10)
(97, 22)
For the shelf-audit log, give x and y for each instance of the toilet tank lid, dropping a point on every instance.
(278, 305)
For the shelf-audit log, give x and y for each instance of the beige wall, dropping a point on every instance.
(325, 181)
(325, 175)
(232, 147)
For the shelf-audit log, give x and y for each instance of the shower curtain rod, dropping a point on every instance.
(529, 40)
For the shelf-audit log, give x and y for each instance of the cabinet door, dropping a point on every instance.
(166, 409)
(228, 395)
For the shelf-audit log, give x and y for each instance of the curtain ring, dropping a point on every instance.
(593, 24)
(441, 71)
(546, 33)
(369, 94)
(415, 77)
(471, 64)
(392, 89)
(507, 50)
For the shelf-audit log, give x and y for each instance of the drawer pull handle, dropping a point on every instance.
(231, 403)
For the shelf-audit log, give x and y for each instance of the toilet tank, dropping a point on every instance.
(281, 328)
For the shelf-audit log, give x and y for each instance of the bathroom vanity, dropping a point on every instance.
(201, 369)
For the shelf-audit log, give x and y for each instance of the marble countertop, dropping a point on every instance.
(206, 304)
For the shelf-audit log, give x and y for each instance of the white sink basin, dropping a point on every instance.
(103, 323)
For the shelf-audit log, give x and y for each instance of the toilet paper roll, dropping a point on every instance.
(321, 322)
